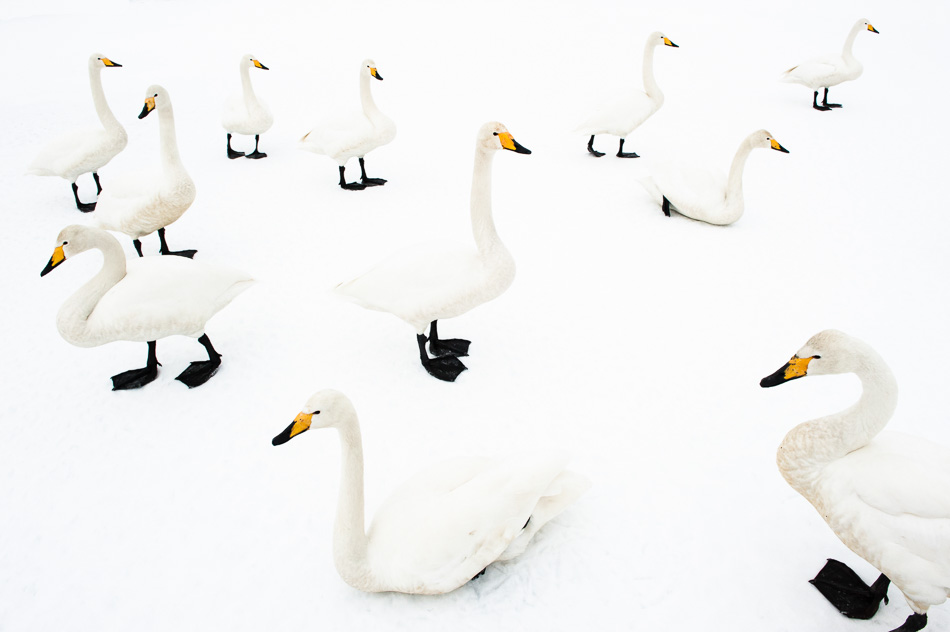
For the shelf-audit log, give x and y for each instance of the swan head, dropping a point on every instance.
(494, 136)
(829, 352)
(324, 409)
(867, 26)
(658, 39)
(155, 97)
(765, 140)
(70, 242)
(368, 68)
(250, 60)
(98, 60)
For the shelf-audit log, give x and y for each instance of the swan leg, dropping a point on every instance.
(814, 103)
(825, 103)
(95, 176)
(166, 251)
(848, 593)
(255, 154)
(137, 378)
(198, 373)
(138, 246)
(446, 368)
(621, 154)
(231, 153)
(85, 207)
(914, 622)
(452, 347)
(370, 182)
(666, 207)
(590, 147)
(480, 573)
(350, 186)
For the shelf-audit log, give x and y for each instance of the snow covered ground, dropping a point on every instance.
(634, 340)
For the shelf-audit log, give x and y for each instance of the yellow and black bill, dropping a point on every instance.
(778, 147)
(873, 30)
(509, 143)
(667, 41)
(300, 424)
(375, 73)
(57, 258)
(793, 369)
(148, 107)
(260, 65)
(109, 63)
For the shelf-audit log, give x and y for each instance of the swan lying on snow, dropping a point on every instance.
(621, 116)
(86, 151)
(829, 70)
(143, 300)
(706, 194)
(886, 496)
(141, 204)
(442, 527)
(246, 114)
(426, 284)
(342, 138)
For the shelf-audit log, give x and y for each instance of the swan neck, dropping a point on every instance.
(250, 98)
(106, 117)
(483, 224)
(849, 42)
(349, 532)
(734, 186)
(171, 160)
(366, 97)
(649, 80)
(72, 320)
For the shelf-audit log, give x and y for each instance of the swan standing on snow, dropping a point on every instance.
(829, 70)
(704, 194)
(143, 300)
(445, 525)
(87, 151)
(142, 204)
(424, 285)
(246, 114)
(620, 117)
(354, 135)
(886, 496)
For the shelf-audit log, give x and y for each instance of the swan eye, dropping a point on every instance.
(494, 133)
(816, 357)
(316, 412)
(65, 242)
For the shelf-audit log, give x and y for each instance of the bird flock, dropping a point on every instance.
(443, 527)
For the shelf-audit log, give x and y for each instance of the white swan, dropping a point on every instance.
(706, 194)
(342, 138)
(142, 300)
(829, 70)
(140, 204)
(245, 113)
(442, 527)
(621, 116)
(424, 285)
(86, 151)
(886, 496)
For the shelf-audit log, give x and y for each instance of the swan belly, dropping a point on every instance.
(823, 72)
(81, 152)
(239, 118)
(698, 193)
(140, 208)
(620, 116)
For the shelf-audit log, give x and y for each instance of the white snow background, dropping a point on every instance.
(634, 340)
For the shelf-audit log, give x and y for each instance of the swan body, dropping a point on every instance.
(620, 116)
(85, 151)
(246, 113)
(444, 526)
(353, 134)
(706, 194)
(426, 284)
(142, 203)
(885, 495)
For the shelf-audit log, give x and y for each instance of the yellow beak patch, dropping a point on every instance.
(372, 71)
(301, 424)
(667, 41)
(507, 141)
(257, 63)
(797, 367)
(107, 61)
(150, 103)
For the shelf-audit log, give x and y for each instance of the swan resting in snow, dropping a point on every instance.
(705, 194)
(85, 151)
(443, 527)
(829, 70)
(142, 300)
(426, 284)
(342, 138)
(621, 116)
(142, 203)
(886, 496)
(245, 113)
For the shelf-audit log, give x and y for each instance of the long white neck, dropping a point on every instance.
(734, 184)
(349, 532)
(848, 43)
(366, 98)
(106, 117)
(250, 98)
(649, 80)
(483, 225)
(171, 160)
(73, 316)
(810, 446)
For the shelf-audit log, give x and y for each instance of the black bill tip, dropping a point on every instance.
(519, 148)
(378, 76)
(777, 378)
(49, 268)
(145, 111)
(283, 437)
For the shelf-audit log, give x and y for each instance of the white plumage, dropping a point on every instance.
(446, 524)
(246, 113)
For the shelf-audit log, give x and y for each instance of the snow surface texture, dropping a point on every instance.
(635, 340)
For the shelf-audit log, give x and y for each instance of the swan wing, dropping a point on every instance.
(621, 115)
(815, 72)
(339, 135)
(78, 152)
(691, 188)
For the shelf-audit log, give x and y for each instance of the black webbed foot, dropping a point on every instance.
(134, 378)
(231, 153)
(622, 154)
(666, 207)
(848, 593)
(198, 373)
(451, 347)
(373, 182)
(165, 250)
(446, 368)
(914, 622)
(255, 155)
(590, 148)
(480, 573)
(352, 186)
(85, 207)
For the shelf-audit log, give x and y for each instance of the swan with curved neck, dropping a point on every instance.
(87, 151)
(830, 70)
(142, 300)
(620, 117)
(885, 495)
(342, 138)
(141, 205)
(444, 526)
(705, 194)
(424, 285)
(246, 114)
